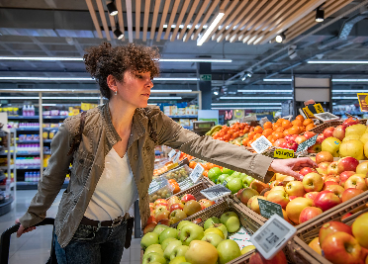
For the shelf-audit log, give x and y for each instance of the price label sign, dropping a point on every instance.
(268, 209)
(326, 117)
(261, 144)
(216, 192)
(156, 185)
(186, 184)
(363, 101)
(283, 153)
(196, 173)
(306, 144)
(272, 236)
(176, 157)
(172, 153)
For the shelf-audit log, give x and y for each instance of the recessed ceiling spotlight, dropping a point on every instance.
(320, 15)
(280, 38)
(112, 9)
(249, 74)
(118, 33)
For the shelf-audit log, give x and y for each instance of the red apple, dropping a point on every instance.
(149, 228)
(162, 204)
(346, 216)
(326, 200)
(291, 144)
(341, 248)
(164, 222)
(339, 132)
(350, 193)
(187, 198)
(309, 134)
(280, 143)
(292, 197)
(306, 170)
(344, 176)
(300, 139)
(320, 138)
(309, 213)
(328, 183)
(324, 156)
(336, 189)
(296, 206)
(279, 197)
(151, 219)
(176, 206)
(323, 166)
(328, 132)
(197, 221)
(333, 227)
(246, 194)
(258, 186)
(348, 164)
(257, 258)
(334, 178)
(161, 213)
(334, 169)
(356, 182)
(239, 193)
(206, 203)
(151, 206)
(311, 195)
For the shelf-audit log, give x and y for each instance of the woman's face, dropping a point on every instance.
(134, 89)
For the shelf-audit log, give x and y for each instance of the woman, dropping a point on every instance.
(113, 164)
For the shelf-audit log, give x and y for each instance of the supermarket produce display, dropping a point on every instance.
(182, 223)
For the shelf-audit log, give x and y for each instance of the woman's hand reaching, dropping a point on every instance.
(290, 166)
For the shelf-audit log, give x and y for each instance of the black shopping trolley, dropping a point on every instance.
(5, 242)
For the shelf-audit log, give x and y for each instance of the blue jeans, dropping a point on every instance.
(92, 246)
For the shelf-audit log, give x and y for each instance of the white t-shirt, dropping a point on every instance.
(115, 191)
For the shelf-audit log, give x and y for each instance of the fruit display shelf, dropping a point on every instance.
(309, 230)
(320, 128)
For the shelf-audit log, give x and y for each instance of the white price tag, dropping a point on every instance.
(176, 157)
(196, 173)
(186, 184)
(156, 185)
(171, 153)
(261, 144)
(216, 192)
(272, 236)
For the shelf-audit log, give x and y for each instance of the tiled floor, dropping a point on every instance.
(34, 247)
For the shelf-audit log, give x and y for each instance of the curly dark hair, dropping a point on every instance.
(103, 60)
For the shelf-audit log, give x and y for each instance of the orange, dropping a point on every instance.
(301, 129)
(280, 129)
(245, 141)
(205, 173)
(280, 120)
(307, 122)
(276, 125)
(176, 189)
(300, 118)
(246, 129)
(258, 135)
(309, 127)
(278, 135)
(286, 124)
(267, 132)
(267, 125)
(286, 132)
(297, 122)
(251, 135)
(270, 137)
(258, 129)
(192, 164)
(293, 130)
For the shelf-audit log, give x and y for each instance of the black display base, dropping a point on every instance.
(33, 186)
(6, 207)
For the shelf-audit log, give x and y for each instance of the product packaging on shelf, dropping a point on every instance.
(160, 189)
(179, 174)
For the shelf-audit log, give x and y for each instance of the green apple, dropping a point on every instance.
(153, 257)
(168, 232)
(149, 239)
(229, 178)
(214, 173)
(159, 228)
(227, 171)
(222, 178)
(211, 221)
(212, 238)
(231, 221)
(170, 248)
(247, 180)
(222, 227)
(216, 231)
(228, 250)
(166, 242)
(201, 252)
(179, 251)
(234, 185)
(246, 249)
(154, 248)
(182, 224)
(190, 233)
(177, 260)
(242, 175)
(236, 174)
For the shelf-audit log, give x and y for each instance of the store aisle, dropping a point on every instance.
(34, 247)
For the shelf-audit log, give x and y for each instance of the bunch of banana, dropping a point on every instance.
(214, 130)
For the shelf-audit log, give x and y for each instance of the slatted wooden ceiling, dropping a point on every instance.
(250, 21)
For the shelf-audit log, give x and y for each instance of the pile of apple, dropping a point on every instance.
(348, 139)
(232, 180)
(191, 243)
(174, 209)
(343, 244)
(292, 142)
(320, 189)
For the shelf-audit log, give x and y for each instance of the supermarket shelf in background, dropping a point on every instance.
(21, 185)
(350, 113)
(36, 117)
(184, 116)
(36, 129)
(6, 167)
(28, 167)
(33, 141)
(22, 153)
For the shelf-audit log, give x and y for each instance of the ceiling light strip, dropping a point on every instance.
(334, 80)
(337, 62)
(265, 91)
(256, 98)
(246, 108)
(84, 78)
(75, 98)
(219, 104)
(211, 28)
